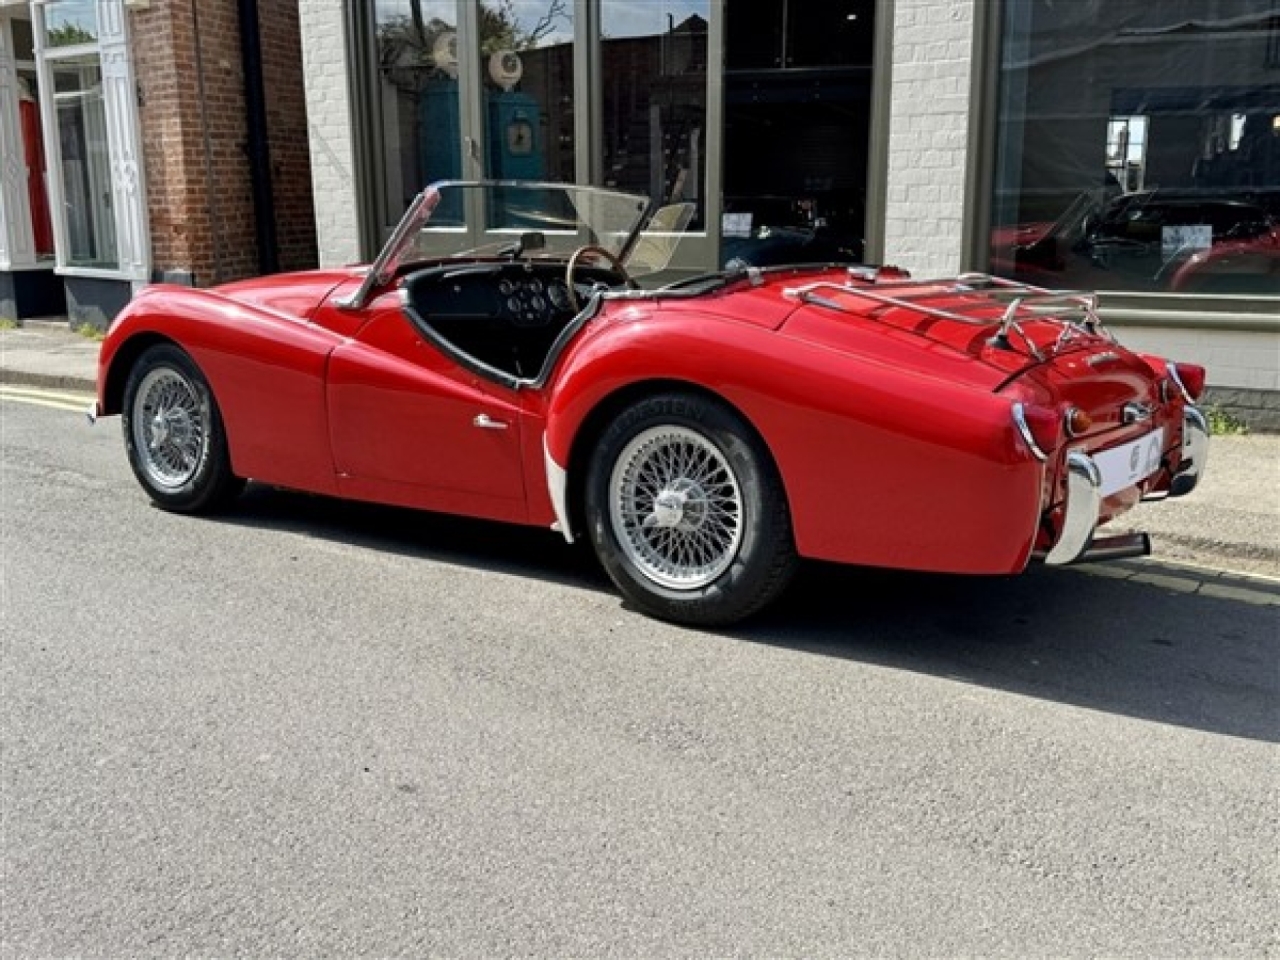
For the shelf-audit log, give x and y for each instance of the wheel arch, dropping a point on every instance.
(126, 355)
(597, 420)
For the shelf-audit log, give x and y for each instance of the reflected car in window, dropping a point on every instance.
(1147, 241)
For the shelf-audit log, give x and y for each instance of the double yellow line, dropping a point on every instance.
(40, 397)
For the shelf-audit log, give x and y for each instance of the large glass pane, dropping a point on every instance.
(86, 163)
(70, 22)
(795, 130)
(829, 34)
(655, 100)
(1138, 146)
(526, 48)
(418, 85)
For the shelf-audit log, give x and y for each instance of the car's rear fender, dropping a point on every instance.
(881, 466)
(266, 371)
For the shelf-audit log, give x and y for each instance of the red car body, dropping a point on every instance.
(936, 426)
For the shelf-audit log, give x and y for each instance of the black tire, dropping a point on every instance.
(174, 436)
(687, 513)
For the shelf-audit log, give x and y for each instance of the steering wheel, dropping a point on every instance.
(592, 250)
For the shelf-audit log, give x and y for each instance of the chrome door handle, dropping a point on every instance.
(486, 422)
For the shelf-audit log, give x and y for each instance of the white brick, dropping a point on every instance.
(928, 134)
(325, 68)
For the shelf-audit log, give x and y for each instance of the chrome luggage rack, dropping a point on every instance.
(1075, 310)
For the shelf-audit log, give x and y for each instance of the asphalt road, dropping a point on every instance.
(315, 729)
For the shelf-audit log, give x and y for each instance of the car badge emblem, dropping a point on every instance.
(1100, 358)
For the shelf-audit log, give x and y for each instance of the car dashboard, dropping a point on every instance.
(505, 316)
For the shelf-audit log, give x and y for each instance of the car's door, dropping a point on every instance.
(411, 427)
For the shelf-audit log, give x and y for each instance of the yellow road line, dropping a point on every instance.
(10, 390)
(54, 403)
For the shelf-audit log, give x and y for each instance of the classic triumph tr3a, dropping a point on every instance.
(500, 360)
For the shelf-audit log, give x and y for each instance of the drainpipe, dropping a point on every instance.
(264, 206)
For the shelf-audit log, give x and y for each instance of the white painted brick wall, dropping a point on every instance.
(325, 69)
(928, 134)
(1234, 358)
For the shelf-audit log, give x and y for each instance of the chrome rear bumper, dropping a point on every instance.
(1195, 453)
(1076, 542)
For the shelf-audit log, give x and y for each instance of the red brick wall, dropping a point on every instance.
(202, 217)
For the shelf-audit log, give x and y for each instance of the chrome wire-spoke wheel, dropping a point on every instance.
(170, 427)
(677, 507)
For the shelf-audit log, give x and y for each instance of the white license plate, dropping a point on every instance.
(1131, 462)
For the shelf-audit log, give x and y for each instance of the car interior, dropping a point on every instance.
(505, 320)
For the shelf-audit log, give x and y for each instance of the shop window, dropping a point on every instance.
(418, 64)
(526, 49)
(654, 65)
(1138, 147)
(524, 58)
(797, 108)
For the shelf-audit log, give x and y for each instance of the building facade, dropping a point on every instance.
(1122, 146)
(147, 140)
(1117, 145)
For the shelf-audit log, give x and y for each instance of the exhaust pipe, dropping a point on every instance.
(1120, 547)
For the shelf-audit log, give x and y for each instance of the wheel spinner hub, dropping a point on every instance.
(169, 427)
(677, 507)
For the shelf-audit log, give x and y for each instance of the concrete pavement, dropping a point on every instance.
(1231, 523)
(47, 353)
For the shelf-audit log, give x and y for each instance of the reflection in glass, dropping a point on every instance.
(1161, 173)
(418, 83)
(655, 100)
(527, 57)
(86, 163)
(526, 67)
(68, 23)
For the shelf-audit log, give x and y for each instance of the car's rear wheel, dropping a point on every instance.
(173, 433)
(687, 513)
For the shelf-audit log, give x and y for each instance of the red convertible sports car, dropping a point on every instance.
(703, 435)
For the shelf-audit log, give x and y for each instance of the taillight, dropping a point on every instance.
(1188, 376)
(1039, 427)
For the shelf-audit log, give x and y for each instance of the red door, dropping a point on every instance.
(411, 427)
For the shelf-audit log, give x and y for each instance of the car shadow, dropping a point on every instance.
(496, 547)
(1114, 640)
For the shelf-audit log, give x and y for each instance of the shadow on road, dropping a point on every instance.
(1067, 635)
(1102, 643)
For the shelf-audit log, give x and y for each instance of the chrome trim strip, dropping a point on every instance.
(558, 490)
(1080, 513)
(1020, 421)
(1176, 377)
(1195, 452)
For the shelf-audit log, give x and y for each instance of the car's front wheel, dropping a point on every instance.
(173, 433)
(687, 513)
